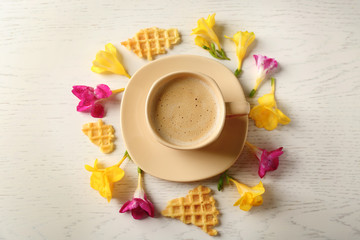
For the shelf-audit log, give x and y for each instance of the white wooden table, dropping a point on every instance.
(47, 47)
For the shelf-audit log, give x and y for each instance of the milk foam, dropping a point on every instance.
(186, 111)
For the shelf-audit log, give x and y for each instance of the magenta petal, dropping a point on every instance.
(97, 111)
(270, 64)
(276, 153)
(152, 210)
(80, 90)
(138, 213)
(145, 206)
(256, 59)
(102, 91)
(269, 161)
(139, 208)
(126, 207)
(84, 106)
(86, 103)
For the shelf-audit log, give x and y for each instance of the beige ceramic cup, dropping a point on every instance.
(186, 110)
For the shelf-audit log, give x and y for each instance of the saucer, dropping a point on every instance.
(180, 165)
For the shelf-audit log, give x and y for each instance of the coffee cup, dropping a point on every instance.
(186, 110)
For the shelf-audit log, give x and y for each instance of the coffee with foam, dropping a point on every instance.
(185, 111)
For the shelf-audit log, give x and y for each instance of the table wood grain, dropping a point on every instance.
(47, 47)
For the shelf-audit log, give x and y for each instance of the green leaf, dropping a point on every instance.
(205, 47)
(220, 183)
(221, 180)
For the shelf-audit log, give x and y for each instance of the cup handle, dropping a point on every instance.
(237, 109)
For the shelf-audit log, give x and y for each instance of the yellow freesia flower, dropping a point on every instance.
(108, 61)
(266, 114)
(242, 41)
(249, 196)
(103, 180)
(204, 30)
(207, 38)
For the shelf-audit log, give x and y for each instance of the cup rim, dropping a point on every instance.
(159, 83)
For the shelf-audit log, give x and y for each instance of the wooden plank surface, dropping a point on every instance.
(47, 47)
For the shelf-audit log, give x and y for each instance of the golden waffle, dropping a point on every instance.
(198, 208)
(101, 135)
(152, 41)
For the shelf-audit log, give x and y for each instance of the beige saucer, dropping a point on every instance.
(180, 165)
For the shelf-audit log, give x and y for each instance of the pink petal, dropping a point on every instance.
(102, 91)
(80, 90)
(265, 63)
(97, 111)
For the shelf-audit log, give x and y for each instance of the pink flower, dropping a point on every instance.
(139, 206)
(268, 161)
(265, 65)
(89, 98)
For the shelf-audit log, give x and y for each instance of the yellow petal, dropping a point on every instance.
(258, 189)
(89, 168)
(267, 100)
(114, 173)
(96, 69)
(242, 188)
(108, 61)
(106, 189)
(211, 20)
(264, 117)
(246, 39)
(245, 202)
(200, 41)
(255, 114)
(229, 38)
(97, 180)
(269, 119)
(258, 200)
(283, 119)
(111, 49)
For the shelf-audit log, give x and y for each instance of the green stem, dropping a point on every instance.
(272, 85)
